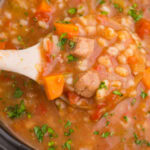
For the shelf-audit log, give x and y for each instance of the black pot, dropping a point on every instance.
(8, 142)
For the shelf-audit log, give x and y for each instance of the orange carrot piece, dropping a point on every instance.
(71, 29)
(44, 7)
(146, 78)
(143, 28)
(2, 45)
(54, 85)
(133, 60)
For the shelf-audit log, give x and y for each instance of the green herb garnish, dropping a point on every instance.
(102, 85)
(118, 7)
(117, 93)
(71, 58)
(16, 111)
(18, 93)
(144, 94)
(72, 11)
(134, 13)
(62, 40)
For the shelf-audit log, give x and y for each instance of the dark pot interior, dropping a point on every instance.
(8, 142)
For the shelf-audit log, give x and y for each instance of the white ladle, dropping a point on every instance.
(26, 62)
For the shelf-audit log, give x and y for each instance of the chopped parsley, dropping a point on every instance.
(96, 132)
(51, 133)
(71, 58)
(102, 85)
(106, 134)
(107, 123)
(19, 38)
(140, 141)
(62, 40)
(40, 132)
(26, 13)
(137, 140)
(72, 11)
(16, 111)
(118, 7)
(144, 94)
(116, 92)
(67, 144)
(35, 19)
(106, 115)
(70, 131)
(44, 128)
(68, 124)
(71, 44)
(104, 12)
(133, 101)
(125, 118)
(18, 93)
(134, 13)
(51, 145)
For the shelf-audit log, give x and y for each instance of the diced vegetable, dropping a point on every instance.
(97, 114)
(132, 60)
(143, 28)
(2, 44)
(71, 29)
(146, 78)
(54, 85)
(136, 63)
(44, 6)
(73, 98)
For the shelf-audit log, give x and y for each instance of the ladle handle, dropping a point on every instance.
(26, 62)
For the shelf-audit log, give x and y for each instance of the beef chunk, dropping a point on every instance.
(87, 84)
(84, 47)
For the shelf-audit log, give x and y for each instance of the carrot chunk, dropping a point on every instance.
(133, 60)
(54, 85)
(143, 28)
(44, 7)
(2, 45)
(146, 78)
(71, 29)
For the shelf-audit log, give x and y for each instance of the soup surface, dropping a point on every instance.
(96, 74)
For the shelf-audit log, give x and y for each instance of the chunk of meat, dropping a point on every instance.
(87, 84)
(84, 47)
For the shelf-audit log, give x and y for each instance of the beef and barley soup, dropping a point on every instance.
(95, 74)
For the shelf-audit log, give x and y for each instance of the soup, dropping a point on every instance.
(96, 70)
